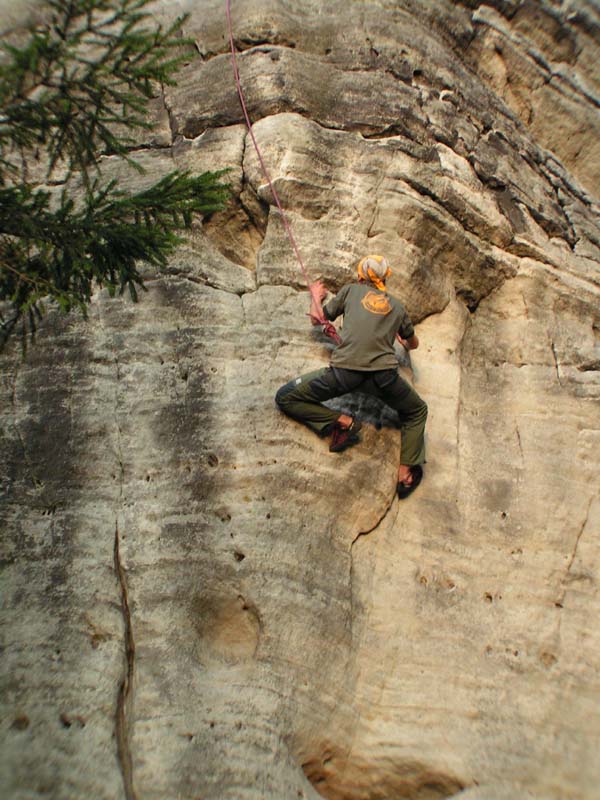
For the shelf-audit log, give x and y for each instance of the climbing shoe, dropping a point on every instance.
(344, 437)
(403, 490)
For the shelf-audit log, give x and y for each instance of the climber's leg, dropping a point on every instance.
(412, 410)
(298, 400)
(302, 398)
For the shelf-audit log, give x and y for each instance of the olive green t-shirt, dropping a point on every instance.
(371, 321)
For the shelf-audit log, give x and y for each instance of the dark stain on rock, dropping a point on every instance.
(333, 777)
(509, 207)
(228, 626)
(20, 723)
(47, 458)
(68, 721)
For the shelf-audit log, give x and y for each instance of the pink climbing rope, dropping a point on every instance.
(328, 327)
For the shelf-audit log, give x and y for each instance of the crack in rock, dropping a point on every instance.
(206, 282)
(556, 364)
(170, 117)
(560, 601)
(377, 524)
(383, 516)
(125, 690)
(577, 541)
(124, 697)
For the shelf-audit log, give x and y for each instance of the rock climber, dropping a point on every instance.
(364, 360)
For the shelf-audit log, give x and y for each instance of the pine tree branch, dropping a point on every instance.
(77, 89)
(63, 252)
(73, 75)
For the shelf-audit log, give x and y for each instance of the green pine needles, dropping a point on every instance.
(77, 90)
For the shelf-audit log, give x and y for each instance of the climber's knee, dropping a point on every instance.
(304, 389)
(281, 398)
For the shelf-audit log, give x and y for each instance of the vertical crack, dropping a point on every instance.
(556, 366)
(560, 601)
(386, 511)
(370, 233)
(245, 319)
(170, 116)
(123, 733)
(578, 540)
(353, 660)
(518, 432)
(253, 215)
(125, 692)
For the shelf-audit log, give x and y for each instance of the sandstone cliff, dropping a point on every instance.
(199, 600)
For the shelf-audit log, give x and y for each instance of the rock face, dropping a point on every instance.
(199, 600)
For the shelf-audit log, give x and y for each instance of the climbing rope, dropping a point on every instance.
(328, 327)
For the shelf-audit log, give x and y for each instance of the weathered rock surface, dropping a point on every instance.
(199, 600)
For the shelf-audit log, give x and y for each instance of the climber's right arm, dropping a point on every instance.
(411, 343)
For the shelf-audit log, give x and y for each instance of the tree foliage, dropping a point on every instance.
(76, 90)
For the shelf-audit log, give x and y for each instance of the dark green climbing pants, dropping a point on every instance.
(302, 399)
